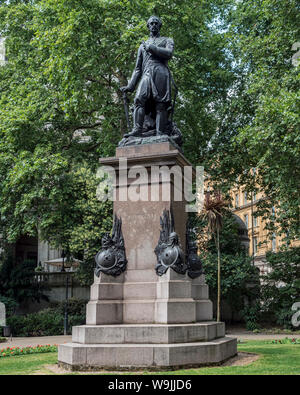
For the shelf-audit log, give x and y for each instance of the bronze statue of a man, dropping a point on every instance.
(153, 102)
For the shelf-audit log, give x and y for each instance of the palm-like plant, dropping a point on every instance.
(212, 211)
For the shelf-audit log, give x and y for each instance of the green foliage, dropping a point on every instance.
(239, 278)
(48, 322)
(237, 273)
(261, 123)
(18, 283)
(13, 351)
(66, 63)
(252, 316)
(76, 307)
(230, 241)
(286, 340)
(61, 107)
(281, 286)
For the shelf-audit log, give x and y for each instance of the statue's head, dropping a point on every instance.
(154, 24)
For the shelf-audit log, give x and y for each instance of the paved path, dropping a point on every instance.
(44, 340)
(244, 335)
(34, 341)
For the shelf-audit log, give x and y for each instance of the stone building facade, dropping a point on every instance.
(245, 206)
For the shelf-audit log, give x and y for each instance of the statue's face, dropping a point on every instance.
(153, 25)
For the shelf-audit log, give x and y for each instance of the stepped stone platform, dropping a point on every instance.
(156, 346)
(152, 334)
(139, 319)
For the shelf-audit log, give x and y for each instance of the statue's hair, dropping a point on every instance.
(154, 17)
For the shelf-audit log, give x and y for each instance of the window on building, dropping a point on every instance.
(246, 220)
(255, 221)
(254, 196)
(237, 200)
(245, 198)
(254, 245)
(274, 242)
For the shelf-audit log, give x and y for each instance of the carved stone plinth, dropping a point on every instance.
(140, 319)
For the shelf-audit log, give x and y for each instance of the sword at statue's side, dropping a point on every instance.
(126, 109)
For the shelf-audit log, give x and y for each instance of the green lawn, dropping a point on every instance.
(26, 364)
(275, 359)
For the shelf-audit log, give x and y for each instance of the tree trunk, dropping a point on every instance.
(219, 279)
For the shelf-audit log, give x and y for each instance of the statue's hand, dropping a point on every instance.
(146, 46)
(125, 89)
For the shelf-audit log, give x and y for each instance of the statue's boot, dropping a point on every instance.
(138, 120)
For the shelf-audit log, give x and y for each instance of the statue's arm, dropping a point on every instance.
(164, 53)
(137, 72)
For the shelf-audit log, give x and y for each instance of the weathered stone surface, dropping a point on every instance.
(139, 290)
(200, 292)
(175, 311)
(138, 311)
(104, 312)
(158, 356)
(139, 319)
(204, 310)
(148, 333)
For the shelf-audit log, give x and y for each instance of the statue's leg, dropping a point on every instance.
(138, 118)
(161, 118)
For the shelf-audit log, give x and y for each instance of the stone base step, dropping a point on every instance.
(77, 356)
(148, 311)
(148, 333)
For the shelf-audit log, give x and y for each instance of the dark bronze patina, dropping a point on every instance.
(168, 250)
(111, 259)
(153, 106)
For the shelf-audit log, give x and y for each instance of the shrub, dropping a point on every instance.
(18, 281)
(50, 321)
(75, 306)
(239, 277)
(251, 315)
(239, 282)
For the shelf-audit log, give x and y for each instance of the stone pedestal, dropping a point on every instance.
(140, 319)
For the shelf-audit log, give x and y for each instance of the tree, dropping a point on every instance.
(213, 212)
(19, 284)
(261, 123)
(61, 106)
